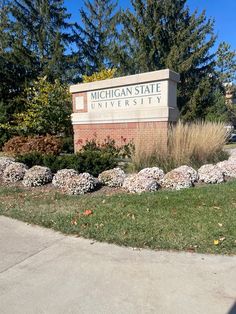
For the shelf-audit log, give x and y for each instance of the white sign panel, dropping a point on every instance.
(79, 103)
(133, 96)
(142, 97)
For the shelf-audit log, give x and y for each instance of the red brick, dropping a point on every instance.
(116, 131)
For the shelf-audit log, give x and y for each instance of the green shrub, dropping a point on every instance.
(4, 137)
(93, 162)
(31, 159)
(94, 157)
(108, 145)
(68, 145)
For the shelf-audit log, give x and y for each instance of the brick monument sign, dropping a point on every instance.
(121, 106)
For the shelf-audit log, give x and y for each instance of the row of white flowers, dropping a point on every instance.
(148, 179)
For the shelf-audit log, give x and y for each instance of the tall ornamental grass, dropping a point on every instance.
(192, 144)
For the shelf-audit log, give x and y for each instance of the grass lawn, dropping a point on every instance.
(230, 145)
(187, 220)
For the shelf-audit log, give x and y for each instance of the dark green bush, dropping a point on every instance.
(93, 162)
(93, 158)
(68, 145)
(4, 137)
(108, 146)
(31, 159)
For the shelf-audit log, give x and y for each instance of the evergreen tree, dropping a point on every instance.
(226, 70)
(226, 63)
(95, 37)
(12, 74)
(163, 34)
(42, 35)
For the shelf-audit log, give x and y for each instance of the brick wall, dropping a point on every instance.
(120, 132)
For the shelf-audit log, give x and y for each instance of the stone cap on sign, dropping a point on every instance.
(160, 75)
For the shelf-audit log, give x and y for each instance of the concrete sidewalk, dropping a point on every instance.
(42, 271)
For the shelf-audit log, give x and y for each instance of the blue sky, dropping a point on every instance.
(223, 11)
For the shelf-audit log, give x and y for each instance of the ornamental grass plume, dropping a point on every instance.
(191, 144)
(147, 152)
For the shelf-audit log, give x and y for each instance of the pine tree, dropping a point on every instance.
(42, 35)
(12, 74)
(5, 78)
(226, 63)
(95, 37)
(226, 70)
(163, 34)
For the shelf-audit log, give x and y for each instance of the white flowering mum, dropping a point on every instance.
(177, 180)
(113, 177)
(62, 176)
(14, 172)
(228, 167)
(37, 176)
(154, 173)
(81, 184)
(211, 174)
(137, 183)
(189, 171)
(5, 162)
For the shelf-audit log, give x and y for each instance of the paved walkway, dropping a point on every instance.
(45, 272)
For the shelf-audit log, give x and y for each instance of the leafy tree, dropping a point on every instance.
(164, 34)
(47, 110)
(95, 37)
(98, 76)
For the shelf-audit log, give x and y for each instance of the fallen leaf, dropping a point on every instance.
(87, 212)
(220, 224)
(191, 250)
(216, 242)
(222, 239)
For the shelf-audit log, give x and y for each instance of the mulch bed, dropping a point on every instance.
(102, 190)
